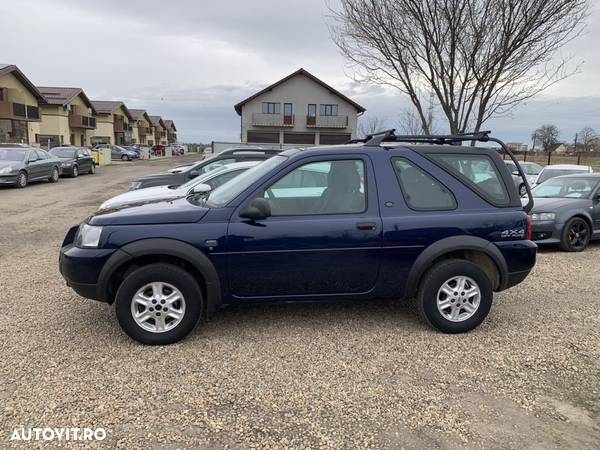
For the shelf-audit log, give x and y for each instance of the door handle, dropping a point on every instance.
(367, 226)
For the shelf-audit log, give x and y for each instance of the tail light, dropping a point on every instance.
(529, 228)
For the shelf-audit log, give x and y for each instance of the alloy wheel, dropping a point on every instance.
(458, 298)
(158, 307)
(578, 235)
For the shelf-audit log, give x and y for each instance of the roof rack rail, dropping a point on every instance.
(376, 139)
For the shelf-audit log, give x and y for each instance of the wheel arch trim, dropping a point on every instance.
(164, 247)
(453, 244)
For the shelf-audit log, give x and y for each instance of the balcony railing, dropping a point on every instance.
(18, 111)
(79, 121)
(327, 121)
(272, 120)
(121, 126)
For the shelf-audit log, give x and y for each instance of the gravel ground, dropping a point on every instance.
(340, 375)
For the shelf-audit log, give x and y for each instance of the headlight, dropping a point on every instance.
(66, 164)
(540, 217)
(6, 170)
(135, 185)
(88, 236)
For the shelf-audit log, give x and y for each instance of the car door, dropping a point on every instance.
(323, 237)
(596, 208)
(46, 162)
(84, 160)
(35, 167)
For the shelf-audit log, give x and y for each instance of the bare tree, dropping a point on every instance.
(547, 136)
(370, 124)
(587, 136)
(481, 58)
(410, 123)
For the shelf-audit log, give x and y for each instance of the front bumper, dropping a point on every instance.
(8, 179)
(547, 232)
(66, 170)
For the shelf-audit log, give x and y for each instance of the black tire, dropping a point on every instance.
(75, 171)
(575, 235)
(92, 169)
(433, 281)
(21, 180)
(125, 158)
(522, 191)
(165, 273)
(54, 176)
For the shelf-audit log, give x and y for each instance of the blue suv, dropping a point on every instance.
(388, 217)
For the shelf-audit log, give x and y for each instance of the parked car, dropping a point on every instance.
(179, 177)
(531, 170)
(566, 211)
(118, 152)
(20, 165)
(200, 185)
(74, 160)
(556, 170)
(373, 220)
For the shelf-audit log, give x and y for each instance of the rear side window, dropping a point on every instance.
(478, 172)
(420, 190)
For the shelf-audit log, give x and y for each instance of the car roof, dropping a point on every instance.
(580, 175)
(361, 147)
(567, 167)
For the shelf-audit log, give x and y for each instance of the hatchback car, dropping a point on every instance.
(379, 219)
(20, 165)
(566, 211)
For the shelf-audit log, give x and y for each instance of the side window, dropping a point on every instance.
(476, 171)
(223, 178)
(328, 187)
(215, 165)
(41, 154)
(420, 190)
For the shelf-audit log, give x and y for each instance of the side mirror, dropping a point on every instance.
(194, 173)
(258, 209)
(201, 189)
(516, 172)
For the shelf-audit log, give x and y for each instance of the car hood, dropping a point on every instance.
(151, 212)
(141, 196)
(555, 204)
(13, 164)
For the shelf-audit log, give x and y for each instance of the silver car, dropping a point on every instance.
(531, 169)
(200, 184)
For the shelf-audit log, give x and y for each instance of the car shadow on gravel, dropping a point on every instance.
(551, 248)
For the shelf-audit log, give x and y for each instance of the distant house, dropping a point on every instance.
(298, 109)
(171, 132)
(68, 117)
(112, 124)
(559, 149)
(142, 131)
(517, 146)
(19, 106)
(160, 130)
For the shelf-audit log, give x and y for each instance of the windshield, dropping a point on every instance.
(201, 178)
(63, 152)
(12, 154)
(228, 191)
(552, 173)
(565, 188)
(531, 168)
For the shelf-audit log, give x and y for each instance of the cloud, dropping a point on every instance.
(192, 61)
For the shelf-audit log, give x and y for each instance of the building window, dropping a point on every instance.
(328, 110)
(271, 108)
(312, 110)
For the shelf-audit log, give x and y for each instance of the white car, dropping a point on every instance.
(556, 170)
(200, 184)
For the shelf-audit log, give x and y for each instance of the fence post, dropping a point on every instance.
(549, 157)
(578, 158)
(525, 156)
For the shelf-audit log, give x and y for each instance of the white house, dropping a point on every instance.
(298, 109)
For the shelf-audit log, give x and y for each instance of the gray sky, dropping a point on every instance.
(191, 61)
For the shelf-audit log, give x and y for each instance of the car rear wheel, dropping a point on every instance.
(21, 180)
(455, 296)
(54, 175)
(158, 304)
(575, 235)
(75, 171)
(92, 169)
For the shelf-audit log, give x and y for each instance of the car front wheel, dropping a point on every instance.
(158, 304)
(575, 235)
(21, 180)
(92, 169)
(75, 171)
(455, 296)
(125, 158)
